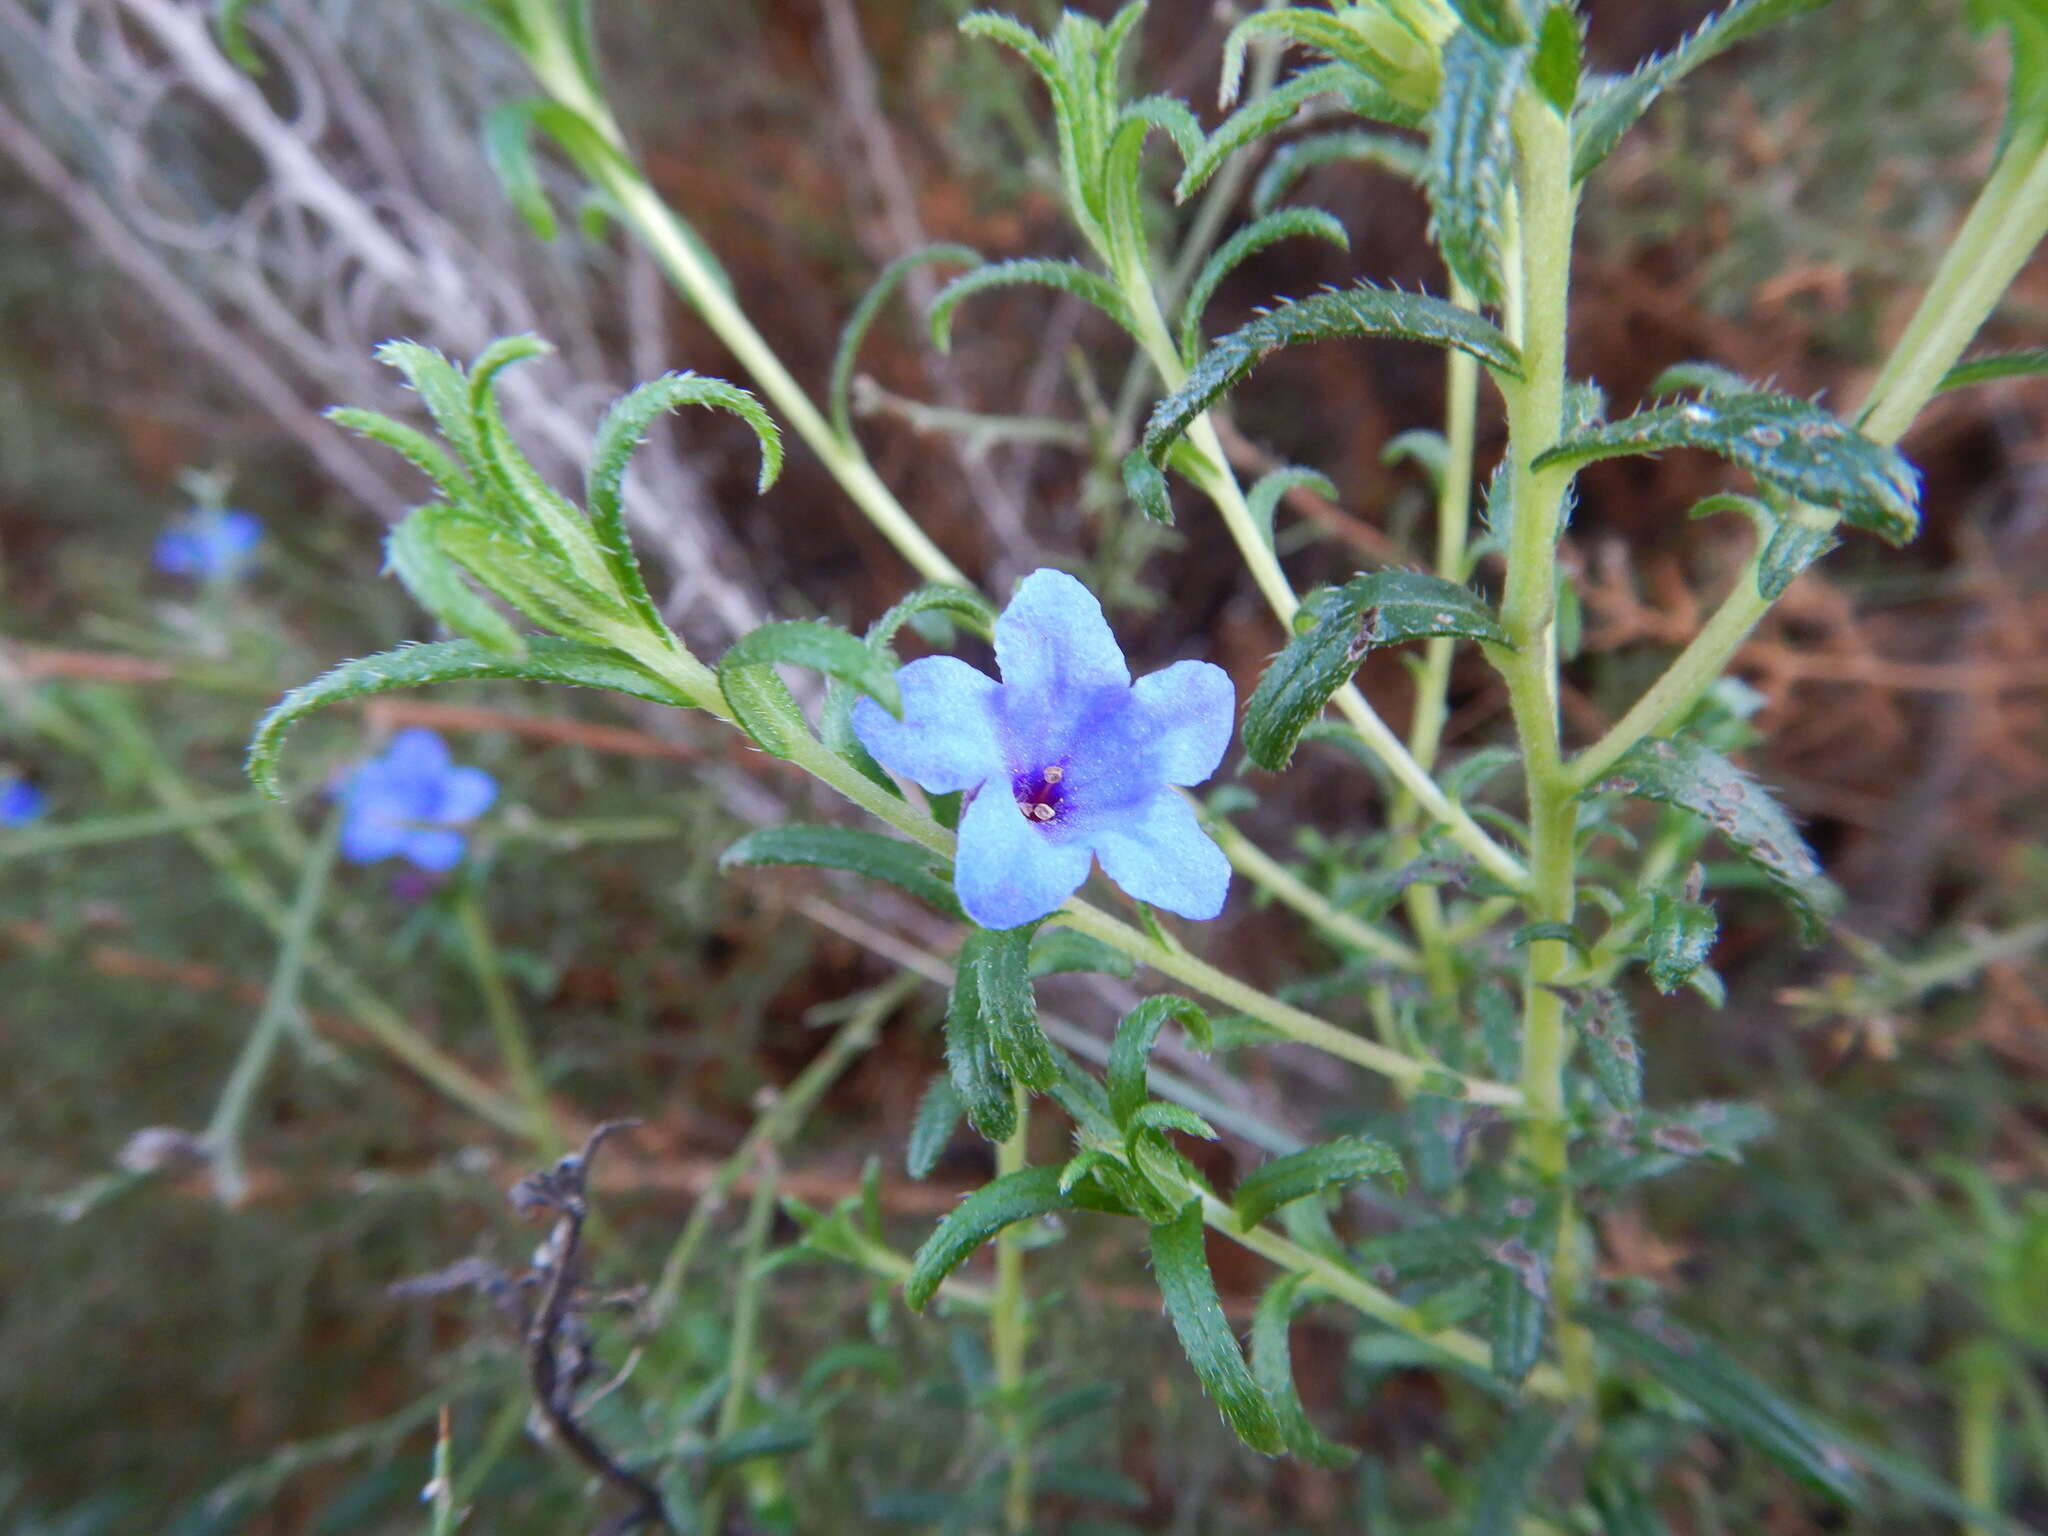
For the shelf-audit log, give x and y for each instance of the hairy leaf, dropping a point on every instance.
(414, 446)
(1055, 951)
(1067, 276)
(1695, 778)
(1677, 939)
(938, 1114)
(1181, 1267)
(1472, 159)
(1277, 108)
(993, 978)
(547, 660)
(1263, 499)
(1783, 441)
(1290, 162)
(1319, 30)
(1793, 545)
(443, 390)
(1607, 1024)
(971, 1059)
(1499, 22)
(1330, 1165)
(1518, 1310)
(437, 584)
(1254, 237)
(1136, 1034)
(1160, 1116)
(855, 332)
(821, 647)
(1343, 624)
(849, 848)
(1505, 1478)
(1273, 1370)
(1555, 68)
(1003, 1202)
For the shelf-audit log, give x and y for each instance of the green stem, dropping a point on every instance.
(514, 1042)
(1010, 1333)
(740, 1359)
(223, 1135)
(31, 842)
(1980, 1400)
(2003, 229)
(1289, 890)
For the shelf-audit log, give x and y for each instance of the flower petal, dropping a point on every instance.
(434, 849)
(414, 753)
(1006, 870)
(946, 739)
(369, 832)
(1189, 709)
(1053, 641)
(1161, 855)
(466, 793)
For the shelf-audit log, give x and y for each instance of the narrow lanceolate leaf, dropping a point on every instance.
(508, 150)
(437, 585)
(1361, 311)
(1607, 1025)
(1499, 22)
(994, 978)
(1793, 545)
(862, 853)
(823, 648)
(1682, 772)
(1181, 1267)
(419, 450)
(1277, 109)
(1020, 1196)
(547, 660)
(855, 332)
(1518, 1310)
(1254, 237)
(1616, 107)
(1263, 499)
(1782, 440)
(936, 599)
(1330, 1165)
(1555, 68)
(443, 390)
(977, 1072)
(1273, 1370)
(1472, 158)
(622, 430)
(1136, 1034)
(1067, 276)
(1677, 939)
(938, 1116)
(2031, 363)
(1291, 161)
(1343, 624)
(1735, 1400)
(1056, 951)
(1511, 1467)
(1328, 34)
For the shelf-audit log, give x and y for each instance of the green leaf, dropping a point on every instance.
(508, 150)
(1677, 938)
(547, 660)
(622, 430)
(1518, 1310)
(855, 332)
(2027, 364)
(1330, 1165)
(1793, 545)
(938, 1115)
(849, 848)
(1273, 1370)
(1695, 778)
(1499, 22)
(994, 979)
(1181, 1267)
(1067, 276)
(1701, 379)
(421, 451)
(1559, 49)
(977, 1071)
(1159, 1116)
(443, 390)
(1055, 951)
(1291, 161)
(1320, 31)
(821, 647)
(969, 608)
(1263, 499)
(230, 24)
(1343, 624)
(1277, 109)
(1505, 1478)
(779, 1437)
(1607, 1024)
(1136, 1034)
(1472, 159)
(1783, 441)
(540, 584)
(1735, 1400)
(437, 584)
(1360, 311)
(1021, 1196)
(2027, 81)
(1254, 237)
(1608, 113)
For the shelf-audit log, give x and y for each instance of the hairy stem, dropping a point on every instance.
(1010, 1333)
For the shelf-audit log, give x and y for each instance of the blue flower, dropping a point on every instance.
(208, 543)
(1066, 761)
(408, 803)
(20, 801)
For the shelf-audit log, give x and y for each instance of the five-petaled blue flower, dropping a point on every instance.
(20, 801)
(208, 543)
(1066, 760)
(409, 802)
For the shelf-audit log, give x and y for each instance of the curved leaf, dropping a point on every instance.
(1336, 629)
(886, 282)
(1003, 1202)
(1181, 1268)
(2029, 363)
(1472, 159)
(1136, 1034)
(1509, 1471)
(1329, 1165)
(823, 648)
(1273, 1370)
(508, 150)
(1360, 311)
(414, 446)
(976, 611)
(1276, 109)
(230, 24)
(1499, 22)
(992, 981)
(938, 1115)
(1321, 31)
(443, 390)
(547, 660)
(1263, 499)
(1067, 276)
(862, 853)
(1248, 241)
(1290, 162)
(1783, 441)
(437, 584)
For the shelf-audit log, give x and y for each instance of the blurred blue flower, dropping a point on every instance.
(208, 543)
(1066, 760)
(409, 802)
(20, 801)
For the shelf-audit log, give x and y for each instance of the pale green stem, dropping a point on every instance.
(1010, 1331)
(1547, 207)
(2007, 222)
(1292, 892)
(223, 1135)
(1980, 1400)
(33, 841)
(740, 1360)
(514, 1044)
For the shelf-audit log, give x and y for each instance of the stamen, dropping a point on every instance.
(1054, 774)
(1043, 811)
